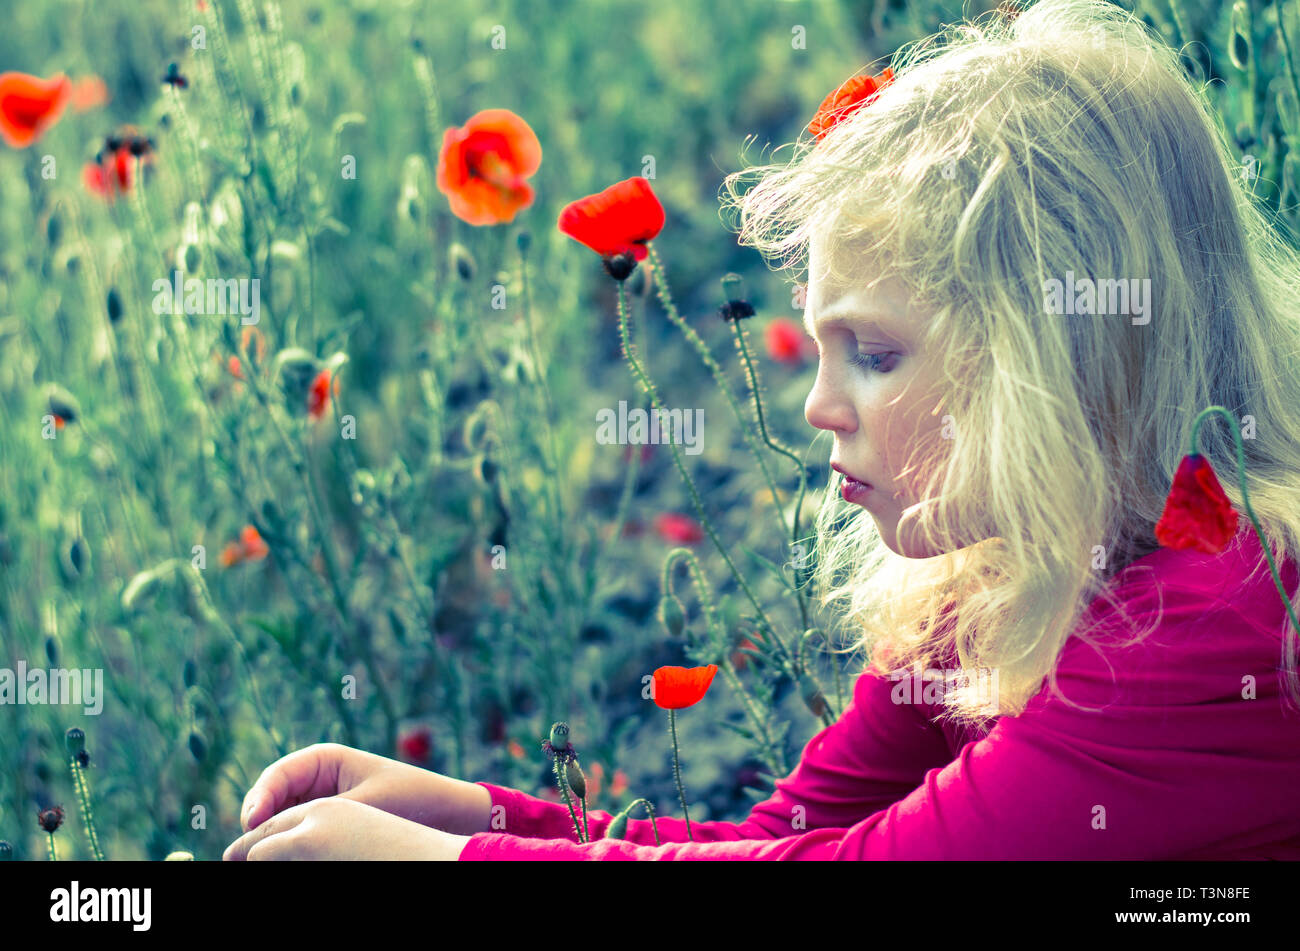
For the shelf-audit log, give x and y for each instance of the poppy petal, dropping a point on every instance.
(618, 220)
(1197, 513)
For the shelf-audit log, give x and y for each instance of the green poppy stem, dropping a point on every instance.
(1245, 501)
(677, 773)
(53, 850)
(629, 351)
(83, 800)
(563, 782)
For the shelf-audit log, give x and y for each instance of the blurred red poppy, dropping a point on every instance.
(318, 397)
(29, 105)
(415, 745)
(678, 687)
(112, 175)
(786, 341)
(682, 529)
(250, 547)
(482, 167)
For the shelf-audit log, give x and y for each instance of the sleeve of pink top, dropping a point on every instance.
(1172, 759)
(873, 755)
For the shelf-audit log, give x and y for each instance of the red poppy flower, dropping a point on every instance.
(739, 659)
(1197, 514)
(785, 340)
(416, 745)
(619, 220)
(678, 687)
(249, 334)
(250, 547)
(482, 167)
(318, 397)
(29, 105)
(619, 785)
(682, 529)
(112, 175)
(846, 100)
(516, 749)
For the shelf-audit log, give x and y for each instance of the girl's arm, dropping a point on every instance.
(872, 756)
(1176, 764)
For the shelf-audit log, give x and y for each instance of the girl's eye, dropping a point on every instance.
(871, 362)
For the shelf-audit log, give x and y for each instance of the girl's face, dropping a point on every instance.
(878, 392)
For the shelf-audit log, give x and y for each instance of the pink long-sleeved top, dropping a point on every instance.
(1187, 753)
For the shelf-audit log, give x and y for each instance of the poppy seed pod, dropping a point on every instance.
(52, 649)
(576, 779)
(114, 306)
(198, 746)
(617, 827)
(189, 674)
(74, 740)
(559, 735)
(62, 404)
(524, 241)
(619, 266)
(462, 261)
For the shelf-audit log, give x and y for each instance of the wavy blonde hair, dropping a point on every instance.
(1007, 152)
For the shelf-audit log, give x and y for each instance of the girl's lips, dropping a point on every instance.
(852, 489)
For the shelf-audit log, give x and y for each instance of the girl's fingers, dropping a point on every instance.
(300, 777)
(238, 850)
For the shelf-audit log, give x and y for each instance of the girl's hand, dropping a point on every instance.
(330, 769)
(337, 829)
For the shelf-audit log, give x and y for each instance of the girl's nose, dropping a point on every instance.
(828, 406)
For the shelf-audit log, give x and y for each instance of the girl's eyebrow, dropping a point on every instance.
(847, 317)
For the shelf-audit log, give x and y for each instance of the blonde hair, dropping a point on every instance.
(1066, 139)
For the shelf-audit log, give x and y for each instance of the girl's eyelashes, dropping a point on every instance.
(872, 362)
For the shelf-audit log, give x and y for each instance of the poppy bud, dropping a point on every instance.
(180, 857)
(50, 819)
(62, 404)
(74, 740)
(488, 470)
(114, 306)
(463, 261)
(198, 746)
(189, 674)
(671, 615)
(577, 781)
(559, 735)
(54, 229)
(6, 851)
(617, 827)
(812, 695)
(52, 649)
(524, 241)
